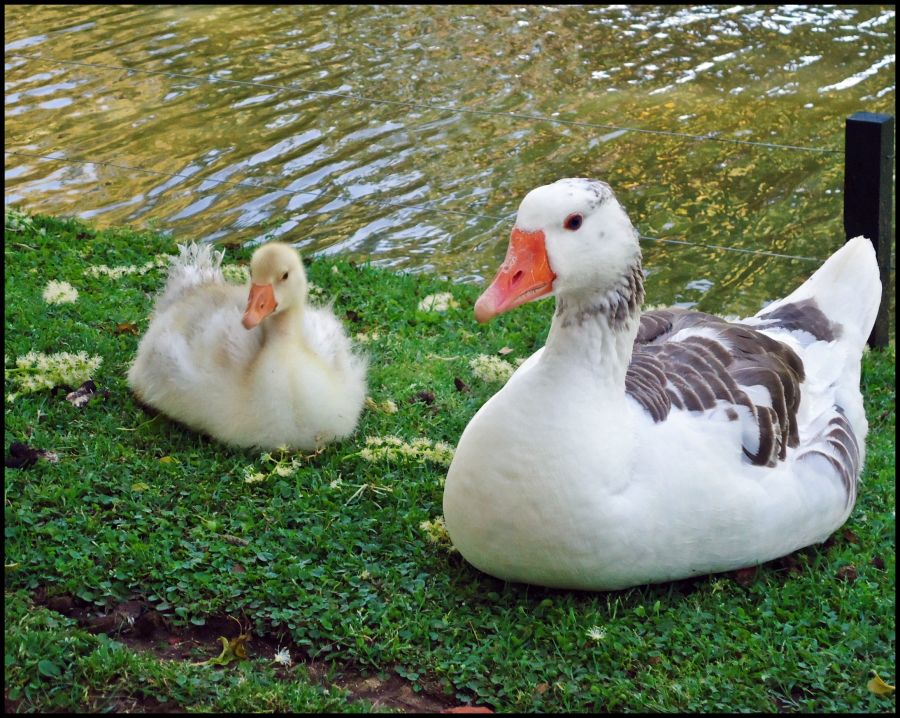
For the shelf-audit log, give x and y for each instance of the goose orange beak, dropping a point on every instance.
(524, 276)
(260, 304)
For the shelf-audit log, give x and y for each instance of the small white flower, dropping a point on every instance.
(595, 633)
(393, 447)
(388, 406)
(440, 302)
(338, 482)
(253, 477)
(491, 369)
(159, 261)
(283, 656)
(44, 371)
(60, 292)
(442, 453)
(436, 532)
(335, 270)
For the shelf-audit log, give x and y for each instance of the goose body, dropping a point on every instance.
(636, 449)
(253, 365)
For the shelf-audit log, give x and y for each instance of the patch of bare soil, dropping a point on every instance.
(137, 625)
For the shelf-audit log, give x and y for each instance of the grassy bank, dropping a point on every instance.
(131, 520)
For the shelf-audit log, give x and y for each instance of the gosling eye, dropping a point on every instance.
(284, 276)
(573, 221)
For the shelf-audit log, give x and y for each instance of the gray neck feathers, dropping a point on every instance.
(615, 307)
(597, 330)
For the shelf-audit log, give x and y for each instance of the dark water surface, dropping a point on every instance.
(231, 96)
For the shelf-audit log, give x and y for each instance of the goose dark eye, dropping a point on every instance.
(573, 221)
(284, 276)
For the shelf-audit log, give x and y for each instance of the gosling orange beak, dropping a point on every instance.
(524, 276)
(260, 304)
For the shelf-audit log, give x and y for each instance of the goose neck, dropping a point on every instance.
(597, 328)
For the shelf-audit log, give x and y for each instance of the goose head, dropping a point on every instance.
(571, 239)
(277, 283)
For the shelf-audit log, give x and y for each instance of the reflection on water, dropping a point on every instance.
(267, 96)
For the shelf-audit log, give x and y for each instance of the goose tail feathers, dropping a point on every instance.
(839, 301)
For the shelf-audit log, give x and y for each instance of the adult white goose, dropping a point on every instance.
(636, 449)
(252, 366)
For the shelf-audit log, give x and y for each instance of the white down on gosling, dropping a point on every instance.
(252, 365)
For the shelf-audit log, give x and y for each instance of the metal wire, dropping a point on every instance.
(323, 195)
(711, 136)
(734, 249)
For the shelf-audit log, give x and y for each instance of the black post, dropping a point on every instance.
(868, 200)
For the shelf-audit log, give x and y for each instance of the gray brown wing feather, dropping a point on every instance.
(838, 445)
(698, 372)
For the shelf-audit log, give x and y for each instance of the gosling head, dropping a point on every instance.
(277, 282)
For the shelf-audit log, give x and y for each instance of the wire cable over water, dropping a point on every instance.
(710, 137)
(388, 203)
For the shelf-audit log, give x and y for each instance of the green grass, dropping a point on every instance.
(51, 664)
(334, 555)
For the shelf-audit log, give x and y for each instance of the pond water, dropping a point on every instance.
(408, 135)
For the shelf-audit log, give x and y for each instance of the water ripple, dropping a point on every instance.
(336, 168)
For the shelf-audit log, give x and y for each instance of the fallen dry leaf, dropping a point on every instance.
(790, 563)
(22, 456)
(504, 351)
(460, 384)
(83, 394)
(424, 396)
(127, 328)
(847, 573)
(878, 686)
(236, 540)
(235, 648)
